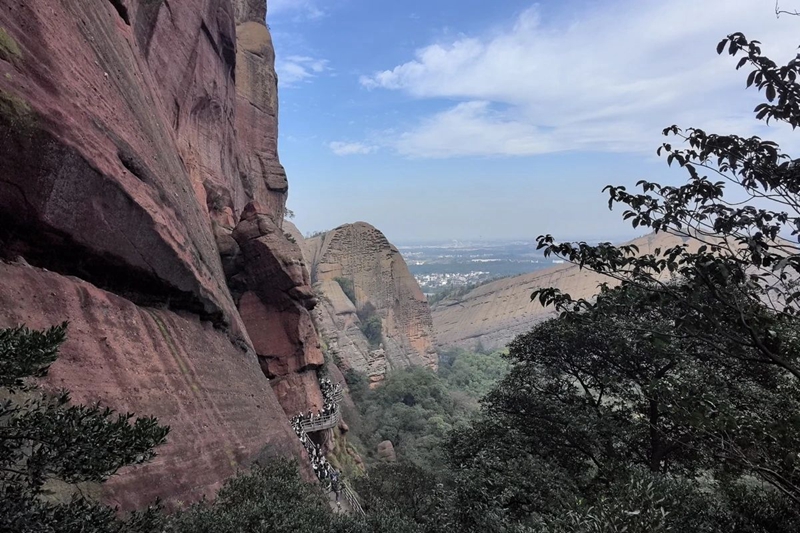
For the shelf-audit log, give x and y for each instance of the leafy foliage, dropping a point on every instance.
(25, 515)
(413, 409)
(347, 287)
(357, 384)
(25, 353)
(44, 437)
(741, 257)
(643, 395)
(272, 498)
(734, 310)
(416, 408)
(473, 374)
(607, 422)
(371, 324)
(408, 490)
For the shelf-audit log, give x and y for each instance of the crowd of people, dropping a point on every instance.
(322, 468)
(330, 391)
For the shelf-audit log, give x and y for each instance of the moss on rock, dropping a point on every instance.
(9, 49)
(15, 111)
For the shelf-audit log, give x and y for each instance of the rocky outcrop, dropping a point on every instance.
(386, 452)
(493, 314)
(275, 308)
(139, 167)
(379, 275)
(257, 109)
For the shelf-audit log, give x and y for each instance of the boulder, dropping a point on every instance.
(386, 452)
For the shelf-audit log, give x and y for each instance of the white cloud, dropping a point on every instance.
(351, 148)
(610, 79)
(295, 69)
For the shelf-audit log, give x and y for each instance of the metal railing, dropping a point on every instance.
(327, 421)
(322, 423)
(352, 498)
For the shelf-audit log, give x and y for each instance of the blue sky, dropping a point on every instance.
(445, 119)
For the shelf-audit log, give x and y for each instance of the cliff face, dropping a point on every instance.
(362, 254)
(141, 198)
(493, 314)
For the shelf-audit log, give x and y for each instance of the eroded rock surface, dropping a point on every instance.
(139, 166)
(493, 314)
(221, 411)
(362, 254)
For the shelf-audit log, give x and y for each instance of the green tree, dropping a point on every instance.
(272, 498)
(44, 437)
(599, 400)
(412, 408)
(646, 397)
(738, 295)
(408, 490)
(371, 324)
(742, 255)
(347, 287)
(372, 328)
(416, 407)
(474, 374)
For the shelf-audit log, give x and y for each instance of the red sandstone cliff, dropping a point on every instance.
(141, 198)
(380, 276)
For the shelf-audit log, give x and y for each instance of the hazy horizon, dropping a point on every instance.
(425, 241)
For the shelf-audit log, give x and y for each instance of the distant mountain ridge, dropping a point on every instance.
(492, 314)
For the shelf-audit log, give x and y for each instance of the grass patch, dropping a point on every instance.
(9, 50)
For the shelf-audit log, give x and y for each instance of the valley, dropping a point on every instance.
(177, 357)
(443, 267)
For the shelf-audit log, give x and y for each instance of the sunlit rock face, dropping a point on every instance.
(142, 198)
(362, 254)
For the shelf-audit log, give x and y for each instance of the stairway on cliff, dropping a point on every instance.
(326, 420)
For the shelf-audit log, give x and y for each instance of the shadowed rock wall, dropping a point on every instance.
(139, 167)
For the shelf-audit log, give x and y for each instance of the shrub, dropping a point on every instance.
(273, 499)
(373, 331)
(371, 324)
(347, 288)
(357, 382)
